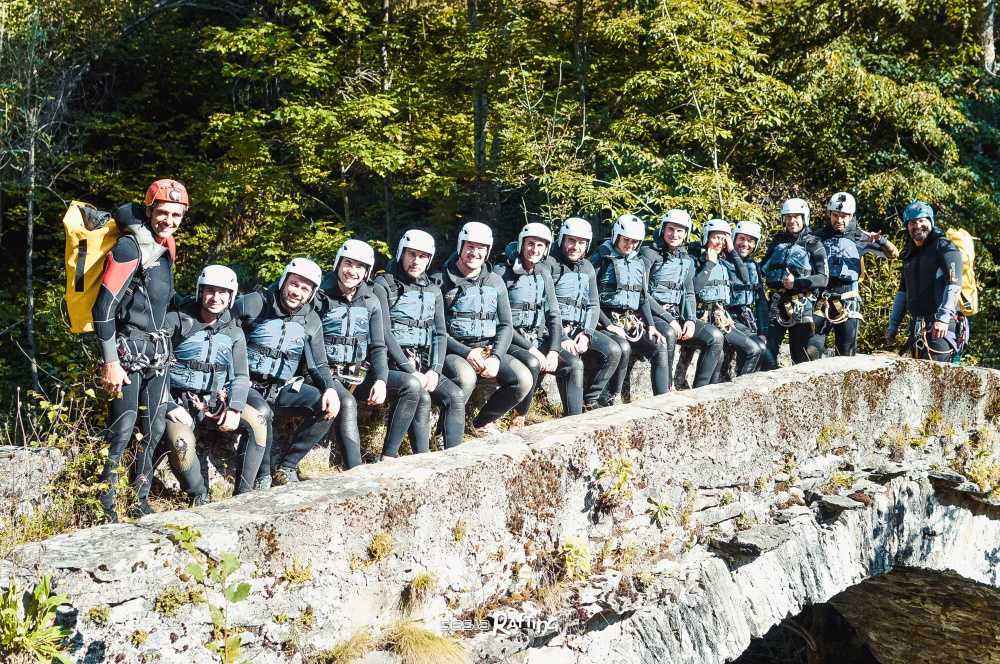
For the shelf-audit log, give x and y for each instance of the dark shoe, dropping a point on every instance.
(262, 483)
(140, 509)
(283, 476)
(200, 499)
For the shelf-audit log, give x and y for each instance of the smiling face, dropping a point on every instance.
(533, 249)
(472, 256)
(414, 262)
(674, 235)
(296, 291)
(919, 229)
(794, 223)
(745, 244)
(574, 247)
(839, 220)
(165, 218)
(215, 299)
(350, 273)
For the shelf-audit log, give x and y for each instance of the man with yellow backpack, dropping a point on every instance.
(129, 311)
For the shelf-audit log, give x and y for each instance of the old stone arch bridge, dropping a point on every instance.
(671, 529)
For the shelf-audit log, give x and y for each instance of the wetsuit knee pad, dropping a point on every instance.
(256, 421)
(183, 445)
(714, 336)
(409, 386)
(348, 406)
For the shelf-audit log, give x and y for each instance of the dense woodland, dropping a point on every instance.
(296, 124)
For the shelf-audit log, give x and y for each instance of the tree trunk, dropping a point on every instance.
(387, 193)
(480, 108)
(29, 319)
(580, 61)
(985, 22)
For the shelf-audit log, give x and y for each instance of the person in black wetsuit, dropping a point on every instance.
(537, 338)
(353, 330)
(929, 287)
(281, 329)
(574, 281)
(478, 316)
(622, 277)
(209, 385)
(417, 339)
(129, 315)
(672, 299)
(713, 288)
(794, 268)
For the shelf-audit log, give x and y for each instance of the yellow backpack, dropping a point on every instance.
(968, 300)
(90, 236)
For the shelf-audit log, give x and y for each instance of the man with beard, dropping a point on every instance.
(281, 329)
(129, 320)
(929, 287)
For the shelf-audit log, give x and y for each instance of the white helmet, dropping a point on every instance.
(716, 226)
(576, 227)
(676, 216)
(751, 228)
(796, 206)
(535, 229)
(306, 269)
(475, 231)
(842, 202)
(630, 226)
(416, 239)
(356, 250)
(219, 276)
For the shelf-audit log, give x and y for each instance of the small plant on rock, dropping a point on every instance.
(658, 511)
(296, 574)
(458, 531)
(840, 479)
(416, 644)
(418, 591)
(380, 548)
(99, 615)
(357, 646)
(618, 473)
(573, 558)
(33, 633)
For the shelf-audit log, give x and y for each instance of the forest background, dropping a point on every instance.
(296, 124)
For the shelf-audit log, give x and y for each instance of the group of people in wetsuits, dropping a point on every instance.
(314, 343)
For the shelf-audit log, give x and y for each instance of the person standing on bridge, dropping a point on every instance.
(929, 286)
(794, 268)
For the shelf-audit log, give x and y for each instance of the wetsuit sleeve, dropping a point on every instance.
(820, 276)
(553, 320)
(690, 306)
(594, 306)
(898, 310)
(315, 352)
(505, 322)
(248, 308)
(741, 269)
(239, 388)
(439, 343)
(119, 268)
(762, 308)
(951, 265)
(598, 262)
(393, 348)
(376, 341)
(705, 268)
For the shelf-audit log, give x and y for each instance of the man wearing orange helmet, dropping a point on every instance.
(129, 315)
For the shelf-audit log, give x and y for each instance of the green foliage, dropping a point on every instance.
(297, 573)
(658, 511)
(573, 560)
(616, 475)
(298, 124)
(210, 574)
(27, 625)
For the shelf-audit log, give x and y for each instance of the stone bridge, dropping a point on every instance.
(672, 529)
